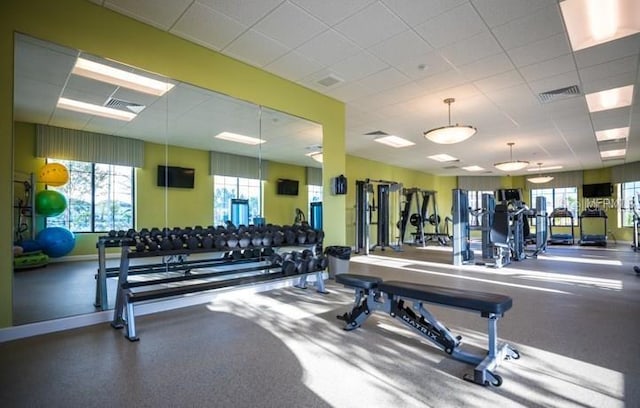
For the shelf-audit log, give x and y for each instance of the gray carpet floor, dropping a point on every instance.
(575, 321)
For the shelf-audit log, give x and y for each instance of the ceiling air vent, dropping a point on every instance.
(451, 167)
(123, 105)
(377, 133)
(330, 80)
(558, 94)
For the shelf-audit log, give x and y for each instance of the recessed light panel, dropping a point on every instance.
(394, 141)
(593, 22)
(442, 158)
(234, 137)
(91, 109)
(612, 134)
(544, 168)
(611, 154)
(118, 77)
(473, 168)
(610, 99)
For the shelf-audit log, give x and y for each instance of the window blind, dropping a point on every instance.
(233, 165)
(314, 176)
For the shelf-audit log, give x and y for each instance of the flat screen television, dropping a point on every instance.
(509, 194)
(178, 177)
(287, 187)
(597, 190)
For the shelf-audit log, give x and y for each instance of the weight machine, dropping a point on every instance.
(421, 217)
(636, 224)
(541, 223)
(366, 206)
(461, 240)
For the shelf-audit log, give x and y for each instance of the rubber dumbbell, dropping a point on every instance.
(288, 267)
(301, 266)
(218, 241)
(256, 239)
(244, 239)
(207, 242)
(236, 255)
(321, 262)
(311, 236)
(301, 237)
(232, 240)
(193, 242)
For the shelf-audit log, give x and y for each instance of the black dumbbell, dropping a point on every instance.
(112, 233)
(218, 241)
(256, 239)
(311, 236)
(236, 255)
(319, 236)
(301, 266)
(232, 240)
(193, 242)
(321, 262)
(288, 267)
(207, 242)
(244, 239)
(301, 236)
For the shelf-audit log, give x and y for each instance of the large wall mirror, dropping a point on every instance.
(114, 137)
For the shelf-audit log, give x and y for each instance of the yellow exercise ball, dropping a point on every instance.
(54, 174)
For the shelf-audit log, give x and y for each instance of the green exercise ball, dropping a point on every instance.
(50, 203)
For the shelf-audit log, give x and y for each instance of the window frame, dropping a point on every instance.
(556, 196)
(242, 186)
(625, 213)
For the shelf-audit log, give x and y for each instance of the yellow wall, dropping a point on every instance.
(280, 209)
(83, 25)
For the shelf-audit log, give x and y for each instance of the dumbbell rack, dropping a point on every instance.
(263, 271)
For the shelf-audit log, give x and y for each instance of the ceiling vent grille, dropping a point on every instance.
(330, 80)
(377, 133)
(451, 167)
(558, 94)
(123, 105)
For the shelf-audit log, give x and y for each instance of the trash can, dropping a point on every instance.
(338, 257)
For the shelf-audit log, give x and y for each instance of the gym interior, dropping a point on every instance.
(304, 269)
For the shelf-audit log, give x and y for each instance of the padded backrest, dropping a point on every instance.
(500, 227)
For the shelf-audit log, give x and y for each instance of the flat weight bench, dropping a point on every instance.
(372, 293)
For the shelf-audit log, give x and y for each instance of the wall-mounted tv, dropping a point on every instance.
(287, 187)
(178, 177)
(597, 190)
(509, 194)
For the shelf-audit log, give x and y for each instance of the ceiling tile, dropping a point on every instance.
(486, 67)
(548, 68)
(400, 48)
(545, 49)
(246, 12)
(417, 12)
(255, 49)
(290, 25)
(472, 49)
(555, 82)
(293, 66)
(609, 82)
(421, 66)
(384, 79)
(609, 68)
(612, 118)
(358, 66)
(349, 92)
(332, 11)
(609, 51)
(533, 27)
(207, 27)
(328, 48)
(452, 26)
(443, 80)
(500, 81)
(498, 12)
(159, 13)
(371, 25)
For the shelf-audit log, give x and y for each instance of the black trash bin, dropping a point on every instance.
(338, 257)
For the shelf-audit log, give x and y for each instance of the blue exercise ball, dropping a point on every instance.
(30, 245)
(56, 241)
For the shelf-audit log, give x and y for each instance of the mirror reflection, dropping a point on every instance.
(102, 148)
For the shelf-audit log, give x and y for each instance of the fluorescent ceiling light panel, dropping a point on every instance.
(610, 99)
(545, 168)
(115, 76)
(609, 154)
(234, 137)
(317, 156)
(394, 141)
(473, 168)
(91, 109)
(442, 158)
(612, 134)
(593, 22)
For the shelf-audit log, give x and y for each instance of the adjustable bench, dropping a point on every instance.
(372, 293)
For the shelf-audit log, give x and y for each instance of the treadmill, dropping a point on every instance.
(593, 239)
(561, 238)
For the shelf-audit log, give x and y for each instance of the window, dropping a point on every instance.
(475, 203)
(314, 193)
(630, 196)
(226, 188)
(99, 197)
(564, 197)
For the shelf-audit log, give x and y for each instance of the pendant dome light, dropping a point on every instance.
(511, 165)
(450, 134)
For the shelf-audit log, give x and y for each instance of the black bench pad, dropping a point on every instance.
(358, 281)
(465, 299)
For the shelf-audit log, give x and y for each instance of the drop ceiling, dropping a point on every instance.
(393, 62)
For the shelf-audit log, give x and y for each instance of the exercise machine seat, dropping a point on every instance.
(358, 281)
(462, 298)
(500, 228)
